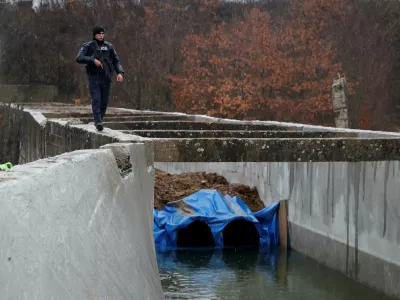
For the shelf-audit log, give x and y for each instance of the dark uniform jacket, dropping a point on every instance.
(104, 52)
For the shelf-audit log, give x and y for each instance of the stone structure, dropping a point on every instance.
(341, 184)
(340, 96)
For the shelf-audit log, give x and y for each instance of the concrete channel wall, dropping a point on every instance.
(342, 184)
(79, 226)
(45, 133)
(346, 215)
(343, 214)
(342, 189)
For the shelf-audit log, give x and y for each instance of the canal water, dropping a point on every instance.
(249, 274)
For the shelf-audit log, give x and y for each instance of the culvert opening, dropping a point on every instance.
(196, 234)
(240, 233)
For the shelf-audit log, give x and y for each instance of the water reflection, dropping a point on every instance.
(253, 274)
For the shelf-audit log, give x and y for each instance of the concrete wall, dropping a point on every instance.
(343, 214)
(41, 137)
(73, 228)
(11, 131)
(62, 137)
(33, 139)
(304, 127)
(346, 215)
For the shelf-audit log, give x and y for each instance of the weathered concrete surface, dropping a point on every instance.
(42, 137)
(56, 110)
(343, 214)
(302, 127)
(62, 137)
(233, 134)
(188, 125)
(346, 215)
(73, 228)
(136, 118)
(275, 150)
(52, 129)
(33, 139)
(11, 131)
(113, 114)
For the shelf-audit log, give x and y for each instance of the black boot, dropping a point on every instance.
(99, 125)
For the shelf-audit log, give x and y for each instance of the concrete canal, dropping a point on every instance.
(77, 221)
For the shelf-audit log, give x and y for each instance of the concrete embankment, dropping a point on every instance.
(79, 226)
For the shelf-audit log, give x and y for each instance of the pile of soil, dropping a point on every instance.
(171, 187)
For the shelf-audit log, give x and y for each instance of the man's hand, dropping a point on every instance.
(98, 63)
(120, 78)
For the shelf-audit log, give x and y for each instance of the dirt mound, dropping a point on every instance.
(169, 187)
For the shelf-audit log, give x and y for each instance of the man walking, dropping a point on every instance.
(101, 61)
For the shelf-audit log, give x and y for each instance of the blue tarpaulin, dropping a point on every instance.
(217, 211)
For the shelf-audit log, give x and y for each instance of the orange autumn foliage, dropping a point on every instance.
(259, 68)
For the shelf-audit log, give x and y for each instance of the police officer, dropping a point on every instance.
(101, 61)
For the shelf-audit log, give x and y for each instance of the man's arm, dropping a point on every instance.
(82, 58)
(116, 62)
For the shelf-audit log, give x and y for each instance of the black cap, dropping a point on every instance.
(97, 29)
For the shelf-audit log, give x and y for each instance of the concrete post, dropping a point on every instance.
(283, 224)
(282, 268)
(340, 95)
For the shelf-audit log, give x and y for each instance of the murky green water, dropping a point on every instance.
(250, 275)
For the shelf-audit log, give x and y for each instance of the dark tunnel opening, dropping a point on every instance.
(240, 233)
(196, 234)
